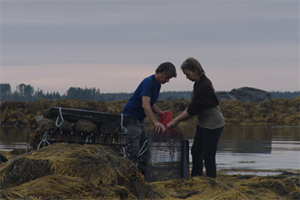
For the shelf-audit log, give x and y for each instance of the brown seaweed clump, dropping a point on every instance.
(241, 187)
(72, 171)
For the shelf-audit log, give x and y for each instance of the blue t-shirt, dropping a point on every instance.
(148, 87)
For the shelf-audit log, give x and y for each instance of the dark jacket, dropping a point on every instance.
(204, 96)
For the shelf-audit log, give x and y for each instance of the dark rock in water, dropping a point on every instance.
(251, 94)
(85, 126)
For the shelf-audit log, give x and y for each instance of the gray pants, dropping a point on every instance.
(138, 135)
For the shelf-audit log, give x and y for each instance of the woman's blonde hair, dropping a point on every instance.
(193, 65)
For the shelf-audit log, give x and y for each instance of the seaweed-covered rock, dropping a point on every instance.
(23, 170)
(23, 113)
(276, 111)
(73, 171)
(44, 123)
(64, 126)
(110, 127)
(85, 126)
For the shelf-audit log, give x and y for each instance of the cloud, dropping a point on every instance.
(230, 38)
(60, 77)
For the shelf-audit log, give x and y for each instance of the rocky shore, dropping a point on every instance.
(265, 112)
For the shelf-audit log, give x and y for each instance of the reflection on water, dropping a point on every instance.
(256, 147)
(248, 147)
(13, 138)
(250, 139)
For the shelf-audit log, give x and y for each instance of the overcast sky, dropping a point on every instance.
(113, 45)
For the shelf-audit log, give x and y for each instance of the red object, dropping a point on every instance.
(165, 118)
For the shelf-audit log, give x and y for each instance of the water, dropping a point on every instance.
(240, 147)
(257, 147)
(13, 138)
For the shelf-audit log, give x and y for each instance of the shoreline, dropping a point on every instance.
(273, 112)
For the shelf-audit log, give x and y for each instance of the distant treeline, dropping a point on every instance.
(25, 92)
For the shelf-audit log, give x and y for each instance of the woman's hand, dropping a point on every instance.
(180, 118)
(172, 124)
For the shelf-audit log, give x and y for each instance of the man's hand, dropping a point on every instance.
(159, 127)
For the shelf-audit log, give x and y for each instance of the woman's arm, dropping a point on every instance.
(180, 118)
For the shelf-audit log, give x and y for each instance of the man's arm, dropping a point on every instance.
(156, 110)
(148, 111)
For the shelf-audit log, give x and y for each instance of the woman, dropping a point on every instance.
(204, 104)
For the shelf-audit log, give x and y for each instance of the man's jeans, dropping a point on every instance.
(138, 135)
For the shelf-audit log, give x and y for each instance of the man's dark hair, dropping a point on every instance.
(166, 68)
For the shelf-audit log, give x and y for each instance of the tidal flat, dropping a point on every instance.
(73, 171)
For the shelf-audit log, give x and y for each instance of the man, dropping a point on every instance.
(142, 105)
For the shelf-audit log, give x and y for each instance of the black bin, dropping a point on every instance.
(168, 156)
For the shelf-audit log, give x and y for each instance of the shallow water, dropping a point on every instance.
(258, 147)
(13, 138)
(240, 147)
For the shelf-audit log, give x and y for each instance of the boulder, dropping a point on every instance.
(225, 96)
(251, 94)
(85, 126)
(245, 94)
(44, 123)
(66, 126)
